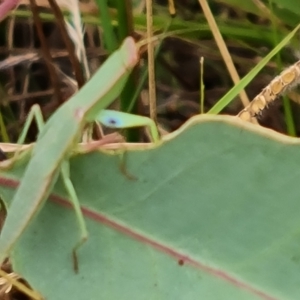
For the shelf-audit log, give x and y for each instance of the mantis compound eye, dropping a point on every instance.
(111, 122)
(112, 119)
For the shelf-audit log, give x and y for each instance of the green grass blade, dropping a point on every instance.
(4, 135)
(110, 39)
(288, 115)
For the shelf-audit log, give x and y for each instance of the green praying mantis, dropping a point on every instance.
(58, 138)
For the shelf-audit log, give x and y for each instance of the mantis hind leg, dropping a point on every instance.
(34, 114)
(65, 171)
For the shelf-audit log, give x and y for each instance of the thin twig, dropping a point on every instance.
(45, 50)
(151, 78)
(223, 48)
(69, 44)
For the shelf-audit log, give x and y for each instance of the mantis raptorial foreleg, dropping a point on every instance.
(117, 119)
